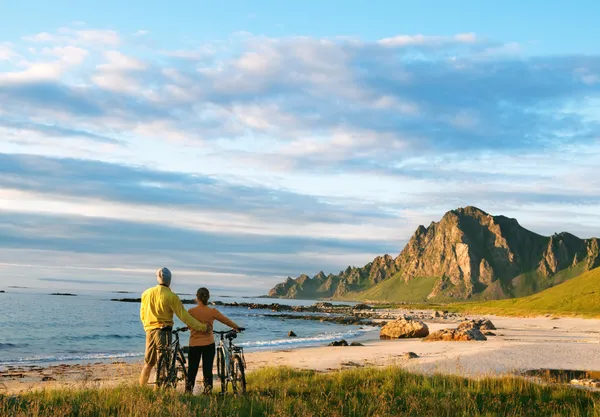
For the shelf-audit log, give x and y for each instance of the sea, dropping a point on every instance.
(37, 328)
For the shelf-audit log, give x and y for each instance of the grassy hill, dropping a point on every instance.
(578, 296)
(396, 290)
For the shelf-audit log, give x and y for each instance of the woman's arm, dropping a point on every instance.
(223, 319)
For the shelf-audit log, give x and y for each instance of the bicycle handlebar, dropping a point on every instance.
(180, 329)
(241, 329)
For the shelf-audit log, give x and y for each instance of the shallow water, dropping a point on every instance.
(41, 328)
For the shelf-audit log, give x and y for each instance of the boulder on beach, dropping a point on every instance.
(362, 307)
(481, 324)
(292, 334)
(456, 335)
(339, 343)
(2, 291)
(410, 355)
(48, 378)
(356, 344)
(402, 328)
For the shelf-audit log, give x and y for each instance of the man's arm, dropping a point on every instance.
(142, 309)
(186, 317)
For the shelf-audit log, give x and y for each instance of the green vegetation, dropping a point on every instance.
(396, 290)
(284, 392)
(534, 282)
(577, 296)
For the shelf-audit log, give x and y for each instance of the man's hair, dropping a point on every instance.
(163, 276)
(203, 295)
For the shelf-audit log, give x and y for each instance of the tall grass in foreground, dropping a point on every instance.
(286, 392)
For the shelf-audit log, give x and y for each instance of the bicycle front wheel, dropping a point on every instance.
(238, 375)
(181, 372)
(221, 373)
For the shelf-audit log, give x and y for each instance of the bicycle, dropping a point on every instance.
(171, 364)
(231, 363)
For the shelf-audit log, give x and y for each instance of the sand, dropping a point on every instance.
(521, 344)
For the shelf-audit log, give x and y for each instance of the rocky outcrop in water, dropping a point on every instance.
(469, 253)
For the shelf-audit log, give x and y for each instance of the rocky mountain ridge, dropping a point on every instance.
(468, 254)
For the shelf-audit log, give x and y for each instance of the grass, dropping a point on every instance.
(578, 296)
(285, 392)
(396, 290)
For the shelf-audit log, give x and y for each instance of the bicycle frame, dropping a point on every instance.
(230, 354)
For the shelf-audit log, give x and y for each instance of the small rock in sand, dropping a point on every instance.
(48, 378)
(410, 355)
(292, 334)
(356, 344)
(340, 343)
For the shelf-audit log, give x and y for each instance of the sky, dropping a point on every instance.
(241, 143)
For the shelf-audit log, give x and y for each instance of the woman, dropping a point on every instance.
(202, 345)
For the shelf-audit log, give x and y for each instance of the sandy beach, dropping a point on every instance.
(520, 344)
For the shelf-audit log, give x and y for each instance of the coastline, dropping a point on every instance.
(521, 344)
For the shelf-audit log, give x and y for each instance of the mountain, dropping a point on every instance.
(468, 254)
(580, 295)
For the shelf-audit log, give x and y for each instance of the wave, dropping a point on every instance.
(102, 336)
(326, 337)
(68, 358)
(5, 346)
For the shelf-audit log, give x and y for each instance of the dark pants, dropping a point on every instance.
(207, 354)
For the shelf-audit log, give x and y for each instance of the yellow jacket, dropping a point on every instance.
(158, 305)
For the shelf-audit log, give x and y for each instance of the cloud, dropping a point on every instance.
(421, 40)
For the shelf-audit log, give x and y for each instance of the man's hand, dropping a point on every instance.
(239, 329)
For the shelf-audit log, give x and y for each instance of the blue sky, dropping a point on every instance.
(243, 143)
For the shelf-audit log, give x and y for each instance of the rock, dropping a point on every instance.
(356, 344)
(48, 378)
(436, 314)
(410, 355)
(2, 291)
(339, 343)
(489, 333)
(292, 334)
(64, 293)
(593, 383)
(323, 305)
(362, 307)
(217, 303)
(456, 335)
(481, 324)
(400, 329)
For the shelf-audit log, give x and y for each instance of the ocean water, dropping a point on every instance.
(41, 329)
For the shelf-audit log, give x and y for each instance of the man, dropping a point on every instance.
(158, 305)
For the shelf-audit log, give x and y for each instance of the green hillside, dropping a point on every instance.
(578, 296)
(395, 290)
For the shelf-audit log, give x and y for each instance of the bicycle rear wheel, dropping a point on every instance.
(238, 375)
(163, 370)
(221, 373)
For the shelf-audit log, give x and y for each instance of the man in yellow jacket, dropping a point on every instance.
(156, 313)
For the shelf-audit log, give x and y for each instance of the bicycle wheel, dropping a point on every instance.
(163, 370)
(221, 373)
(238, 375)
(181, 371)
